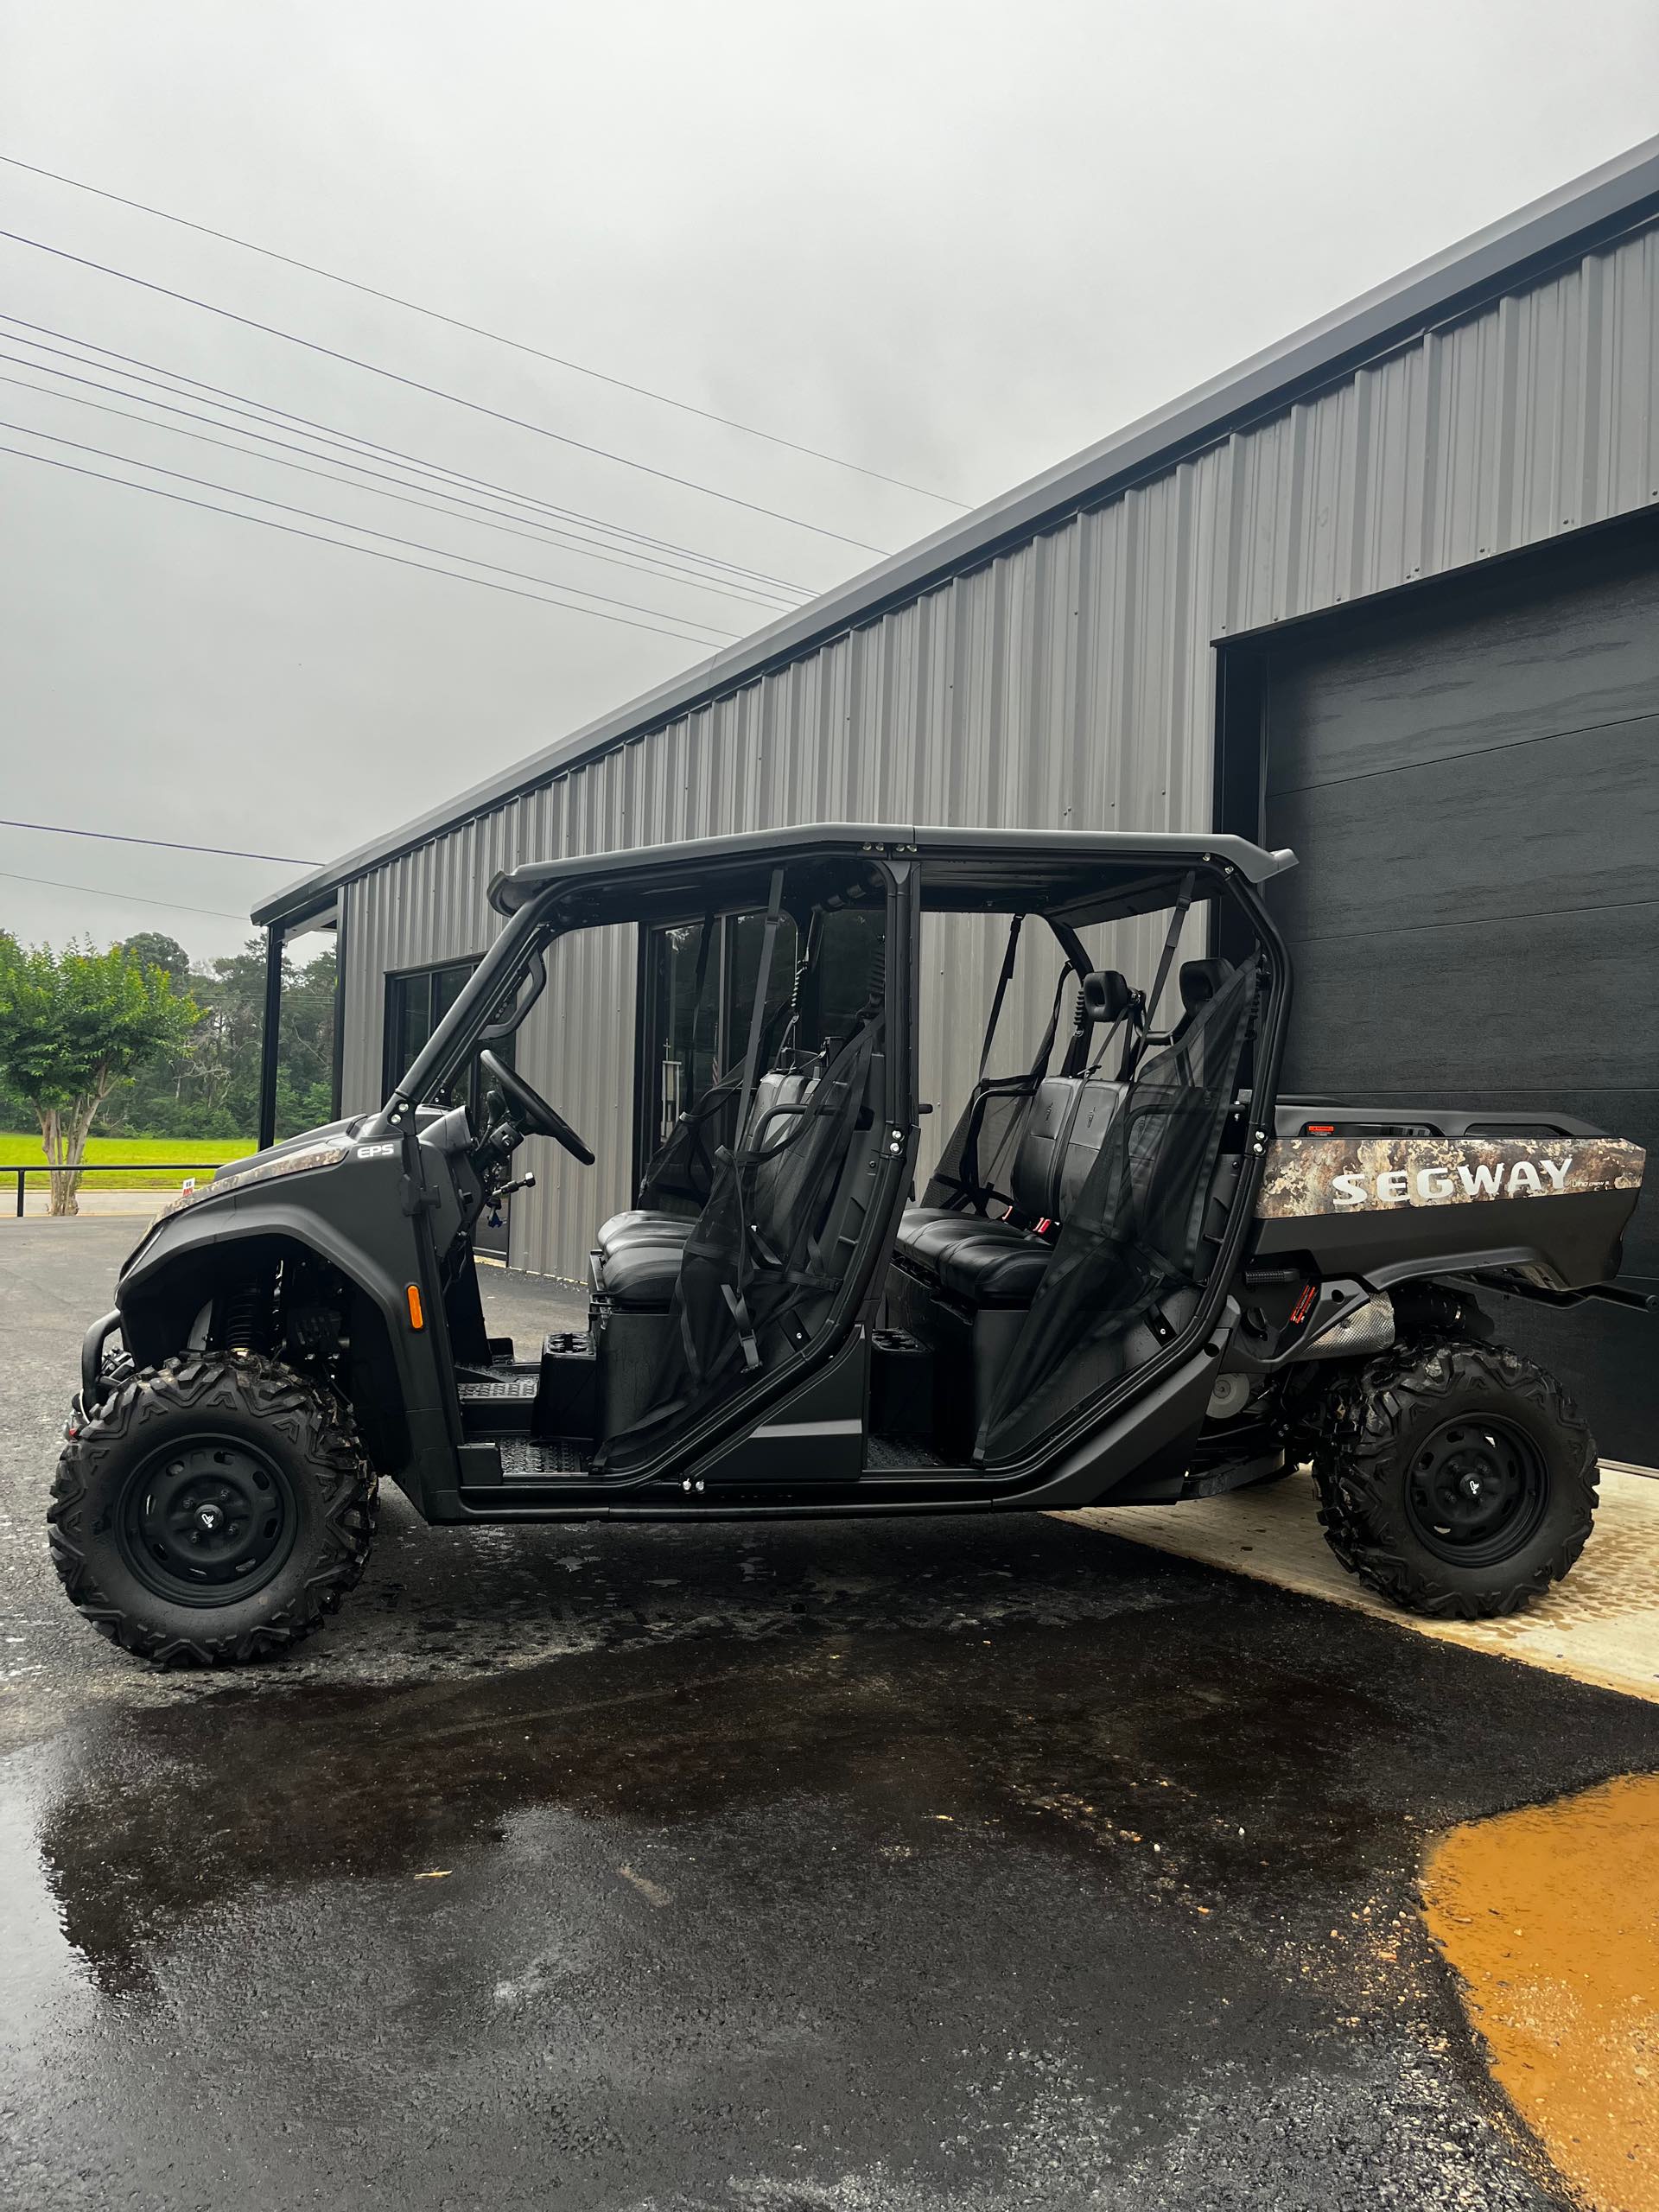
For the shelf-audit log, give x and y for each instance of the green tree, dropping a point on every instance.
(72, 1023)
(305, 1060)
(14, 1111)
(209, 1088)
(154, 949)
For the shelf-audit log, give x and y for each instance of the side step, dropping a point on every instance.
(528, 1462)
(494, 1467)
(505, 1406)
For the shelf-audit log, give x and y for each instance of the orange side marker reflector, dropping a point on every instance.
(417, 1318)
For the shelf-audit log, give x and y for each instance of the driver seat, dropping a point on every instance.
(635, 1259)
(640, 1225)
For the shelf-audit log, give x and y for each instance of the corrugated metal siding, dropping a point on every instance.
(1068, 681)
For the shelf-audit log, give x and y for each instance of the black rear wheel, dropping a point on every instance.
(213, 1509)
(1457, 1478)
(1477, 1490)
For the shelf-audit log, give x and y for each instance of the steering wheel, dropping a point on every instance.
(531, 1111)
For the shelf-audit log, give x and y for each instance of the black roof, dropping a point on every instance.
(1081, 876)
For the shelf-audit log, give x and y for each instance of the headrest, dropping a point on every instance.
(1201, 979)
(1106, 995)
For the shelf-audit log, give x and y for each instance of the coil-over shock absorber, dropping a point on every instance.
(243, 1319)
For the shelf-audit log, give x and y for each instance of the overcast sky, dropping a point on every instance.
(953, 243)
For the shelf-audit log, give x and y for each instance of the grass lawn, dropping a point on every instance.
(20, 1148)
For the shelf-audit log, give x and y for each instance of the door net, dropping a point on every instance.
(679, 1176)
(780, 1228)
(1131, 1258)
(975, 1163)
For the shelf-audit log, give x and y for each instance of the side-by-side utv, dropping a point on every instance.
(1136, 1274)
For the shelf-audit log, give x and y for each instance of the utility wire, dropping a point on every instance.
(95, 891)
(688, 577)
(444, 552)
(370, 552)
(171, 844)
(477, 330)
(172, 380)
(436, 391)
(538, 534)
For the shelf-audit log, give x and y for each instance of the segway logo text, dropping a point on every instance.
(1522, 1178)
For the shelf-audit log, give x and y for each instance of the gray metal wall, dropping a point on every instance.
(1068, 681)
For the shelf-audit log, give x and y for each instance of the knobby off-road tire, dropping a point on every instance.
(213, 1510)
(1456, 1477)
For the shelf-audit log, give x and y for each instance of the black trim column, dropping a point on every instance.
(337, 1071)
(1240, 773)
(271, 1040)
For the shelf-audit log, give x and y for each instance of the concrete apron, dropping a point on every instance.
(1600, 1624)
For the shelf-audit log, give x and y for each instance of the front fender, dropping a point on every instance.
(165, 1284)
(216, 1228)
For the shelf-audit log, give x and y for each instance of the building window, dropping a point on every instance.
(700, 982)
(415, 1004)
(698, 976)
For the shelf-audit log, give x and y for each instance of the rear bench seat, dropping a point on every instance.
(963, 1283)
(989, 1263)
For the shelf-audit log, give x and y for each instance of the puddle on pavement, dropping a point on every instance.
(1210, 1789)
(1243, 1782)
(1174, 1839)
(1550, 1916)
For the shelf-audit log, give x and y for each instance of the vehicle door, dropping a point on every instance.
(803, 1201)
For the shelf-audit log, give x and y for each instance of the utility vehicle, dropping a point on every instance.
(1135, 1273)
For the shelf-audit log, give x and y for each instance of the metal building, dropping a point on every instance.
(1388, 593)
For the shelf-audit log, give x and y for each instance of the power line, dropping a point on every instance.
(171, 844)
(477, 330)
(132, 898)
(262, 410)
(476, 509)
(207, 484)
(169, 380)
(684, 577)
(436, 391)
(369, 552)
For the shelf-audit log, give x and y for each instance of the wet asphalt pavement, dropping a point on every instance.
(968, 1863)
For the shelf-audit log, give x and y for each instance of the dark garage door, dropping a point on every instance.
(1471, 777)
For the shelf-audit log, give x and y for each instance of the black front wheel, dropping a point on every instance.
(211, 1510)
(1457, 1478)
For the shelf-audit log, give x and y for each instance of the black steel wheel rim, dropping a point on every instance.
(1476, 1490)
(205, 1522)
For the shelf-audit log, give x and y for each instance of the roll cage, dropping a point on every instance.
(1071, 884)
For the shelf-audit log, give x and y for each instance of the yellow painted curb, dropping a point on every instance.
(1550, 1916)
